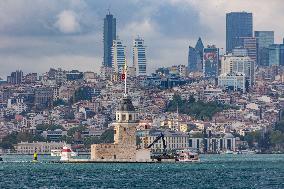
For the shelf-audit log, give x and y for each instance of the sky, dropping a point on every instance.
(36, 35)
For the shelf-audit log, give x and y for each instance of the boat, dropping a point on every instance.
(187, 156)
(67, 153)
(247, 152)
(55, 152)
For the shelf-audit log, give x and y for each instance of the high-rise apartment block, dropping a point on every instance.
(238, 26)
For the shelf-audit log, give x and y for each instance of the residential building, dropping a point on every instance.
(238, 25)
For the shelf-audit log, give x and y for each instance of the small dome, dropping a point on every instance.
(126, 104)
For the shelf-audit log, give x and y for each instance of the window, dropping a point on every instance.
(123, 117)
(130, 117)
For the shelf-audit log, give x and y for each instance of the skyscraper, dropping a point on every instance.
(139, 56)
(199, 47)
(192, 59)
(276, 54)
(250, 45)
(195, 56)
(263, 40)
(118, 56)
(238, 25)
(109, 36)
(210, 62)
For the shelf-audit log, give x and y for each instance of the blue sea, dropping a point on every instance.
(214, 171)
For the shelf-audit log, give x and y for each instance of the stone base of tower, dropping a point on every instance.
(113, 152)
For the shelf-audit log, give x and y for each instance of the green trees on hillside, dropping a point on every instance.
(197, 109)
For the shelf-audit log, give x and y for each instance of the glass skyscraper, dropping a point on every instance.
(118, 56)
(195, 56)
(238, 26)
(263, 40)
(276, 55)
(139, 56)
(210, 62)
(109, 36)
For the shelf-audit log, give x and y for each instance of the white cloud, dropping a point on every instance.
(67, 22)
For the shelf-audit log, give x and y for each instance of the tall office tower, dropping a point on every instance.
(238, 64)
(15, 77)
(276, 54)
(193, 57)
(210, 62)
(139, 56)
(238, 25)
(199, 48)
(109, 36)
(263, 40)
(250, 45)
(118, 56)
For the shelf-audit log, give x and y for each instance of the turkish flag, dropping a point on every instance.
(123, 76)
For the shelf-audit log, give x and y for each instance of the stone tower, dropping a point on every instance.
(124, 146)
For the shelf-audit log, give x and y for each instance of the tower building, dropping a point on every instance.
(109, 36)
(238, 26)
(118, 55)
(139, 56)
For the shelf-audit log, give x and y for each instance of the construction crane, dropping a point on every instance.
(161, 136)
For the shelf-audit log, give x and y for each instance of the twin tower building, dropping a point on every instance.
(115, 51)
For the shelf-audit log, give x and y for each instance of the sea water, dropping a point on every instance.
(214, 171)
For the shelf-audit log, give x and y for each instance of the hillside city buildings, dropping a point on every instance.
(247, 81)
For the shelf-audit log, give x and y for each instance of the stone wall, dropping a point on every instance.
(113, 151)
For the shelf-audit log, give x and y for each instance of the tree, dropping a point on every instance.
(107, 136)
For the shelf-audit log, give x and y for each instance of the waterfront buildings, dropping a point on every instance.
(210, 62)
(263, 40)
(109, 36)
(39, 147)
(118, 56)
(238, 26)
(139, 56)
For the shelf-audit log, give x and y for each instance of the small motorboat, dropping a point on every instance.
(67, 153)
(187, 156)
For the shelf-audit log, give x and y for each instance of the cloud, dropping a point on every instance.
(67, 22)
(36, 34)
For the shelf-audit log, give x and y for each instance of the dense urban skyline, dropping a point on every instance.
(69, 33)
